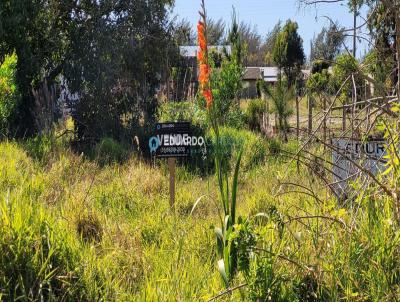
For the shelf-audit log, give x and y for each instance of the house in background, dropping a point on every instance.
(183, 80)
(249, 82)
(268, 74)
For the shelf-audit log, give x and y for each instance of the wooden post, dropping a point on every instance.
(297, 117)
(325, 117)
(310, 113)
(344, 117)
(171, 167)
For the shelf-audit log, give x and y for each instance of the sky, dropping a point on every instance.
(264, 14)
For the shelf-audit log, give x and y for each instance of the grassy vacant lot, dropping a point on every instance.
(73, 230)
(82, 230)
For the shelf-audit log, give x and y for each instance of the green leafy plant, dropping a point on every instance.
(281, 95)
(110, 151)
(9, 94)
(254, 112)
(226, 83)
(227, 264)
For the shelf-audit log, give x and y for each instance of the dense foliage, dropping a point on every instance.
(288, 53)
(9, 94)
(112, 54)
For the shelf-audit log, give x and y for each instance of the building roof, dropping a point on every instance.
(270, 74)
(191, 51)
(252, 73)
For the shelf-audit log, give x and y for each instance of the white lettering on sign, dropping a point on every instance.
(180, 140)
(367, 154)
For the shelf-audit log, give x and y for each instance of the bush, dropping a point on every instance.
(254, 113)
(9, 94)
(39, 147)
(232, 140)
(274, 146)
(109, 151)
(183, 111)
(227, 84)
(235, 117)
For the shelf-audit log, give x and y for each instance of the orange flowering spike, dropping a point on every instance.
(208, 96)
(204, 74)
(201, 35)
(202, 57)
(200, 27)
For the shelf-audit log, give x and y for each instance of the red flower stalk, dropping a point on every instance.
(208, 96)
(202, 56)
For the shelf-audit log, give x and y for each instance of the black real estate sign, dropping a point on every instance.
(171, 140)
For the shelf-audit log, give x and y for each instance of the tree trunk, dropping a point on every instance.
(45, 98)
(285, 127)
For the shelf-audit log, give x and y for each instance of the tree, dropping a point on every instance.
(269, 44)
(288, 51)
(111, 53)
(384, 26)
(227, 84)
(117, 64)
(281, 95)
(9, 94)
(252, 44)
(39, 35)
(327, 44)
(235, 40)
(183, 33)
(345, 66)
(216, 31)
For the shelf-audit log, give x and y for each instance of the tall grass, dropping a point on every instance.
(71, 230)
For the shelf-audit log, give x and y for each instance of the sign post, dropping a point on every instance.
(171, 140)
(171, 168)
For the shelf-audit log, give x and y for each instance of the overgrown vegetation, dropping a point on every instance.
(256, 216)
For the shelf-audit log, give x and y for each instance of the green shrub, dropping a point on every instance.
(235, 117)
(227, 84)
(39, 147)
(274, 146)
(183, 111)
(110, 151)
(9, 94)
(232, 140)
(254, 112)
